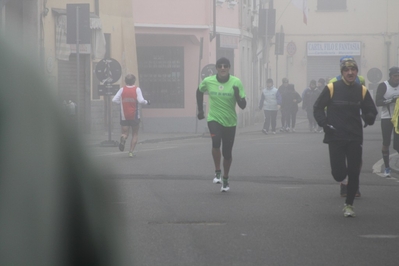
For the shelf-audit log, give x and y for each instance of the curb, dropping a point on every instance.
(168, 139)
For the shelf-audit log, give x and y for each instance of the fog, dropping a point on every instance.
(47, 177)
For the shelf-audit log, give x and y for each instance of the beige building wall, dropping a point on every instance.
(372, 23)
(117, 21)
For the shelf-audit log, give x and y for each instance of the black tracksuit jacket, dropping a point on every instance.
(344, 112)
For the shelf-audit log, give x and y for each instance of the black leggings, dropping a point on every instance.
(386, 129)
(221, 134)
(290, 118)
(270, 119)
(346, 160)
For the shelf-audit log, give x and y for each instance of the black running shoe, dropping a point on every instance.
(122, 144)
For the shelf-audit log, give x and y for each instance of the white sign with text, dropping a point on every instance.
(333, 48)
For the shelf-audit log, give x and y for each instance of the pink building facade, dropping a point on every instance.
(176, 47)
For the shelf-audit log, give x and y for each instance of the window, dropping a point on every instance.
(331, 5)
(161, 75)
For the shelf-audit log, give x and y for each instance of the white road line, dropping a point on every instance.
(378, 166)
(140, 151)
(380, 236)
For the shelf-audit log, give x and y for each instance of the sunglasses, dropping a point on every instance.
(223, 66)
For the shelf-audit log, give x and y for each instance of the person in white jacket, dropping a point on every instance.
(129, 97)
(268, 102)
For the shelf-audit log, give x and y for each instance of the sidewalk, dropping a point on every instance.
(145, 137)
(100, 139)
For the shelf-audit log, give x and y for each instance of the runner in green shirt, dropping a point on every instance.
(224, 92)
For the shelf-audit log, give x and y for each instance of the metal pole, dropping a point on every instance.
(276, 71)
(78, 70)
(214, 21)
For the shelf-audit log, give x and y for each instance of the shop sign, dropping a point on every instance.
(227, 41)
(333, 48)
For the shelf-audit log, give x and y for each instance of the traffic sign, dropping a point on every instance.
(208, 70)
(108, 71)
(291, 48)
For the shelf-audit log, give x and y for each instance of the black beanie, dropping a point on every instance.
(393, 70)
(224, 61)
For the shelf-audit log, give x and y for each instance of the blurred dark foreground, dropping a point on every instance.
(55, 207)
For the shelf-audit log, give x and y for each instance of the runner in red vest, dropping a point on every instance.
(129, 97)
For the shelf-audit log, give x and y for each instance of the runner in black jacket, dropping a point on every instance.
(347, 103)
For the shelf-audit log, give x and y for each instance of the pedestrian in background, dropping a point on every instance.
(129, 97)
(268, 103)
(309, 97)
(283, 87)
(347, 102)
(225, 91)
(289, 106)
(387, 93)
(320, 84)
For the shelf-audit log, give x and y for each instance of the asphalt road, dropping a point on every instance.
(283, 208)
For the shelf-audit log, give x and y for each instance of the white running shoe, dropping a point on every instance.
(225, 187)
(387, 172)
(348, 211)
(218, 178)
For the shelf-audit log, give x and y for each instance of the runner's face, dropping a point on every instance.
(395, 79)
(349, 74)
(223, 70)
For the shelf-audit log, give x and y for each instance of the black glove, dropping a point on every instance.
(329, 129)
(368, 119)
(200, 115)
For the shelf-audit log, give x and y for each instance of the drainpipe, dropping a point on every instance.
(97, 7)
(214, 21)
(388, 44)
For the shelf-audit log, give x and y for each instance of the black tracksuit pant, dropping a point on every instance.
(346, 160)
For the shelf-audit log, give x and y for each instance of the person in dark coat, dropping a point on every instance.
(289, 106)
(283, 87)
(309, 97)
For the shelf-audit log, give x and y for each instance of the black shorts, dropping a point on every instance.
(222, 135)
(386, 129)
(130, 123)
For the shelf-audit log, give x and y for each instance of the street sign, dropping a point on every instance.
(374, 75)
(291, 48)
(78, 13)
(108, 71)
(208, 70)
(108, 89)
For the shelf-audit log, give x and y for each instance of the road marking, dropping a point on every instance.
(380, 236)
(140, 151)
(378, 166)
(265, 138)
(187, 223)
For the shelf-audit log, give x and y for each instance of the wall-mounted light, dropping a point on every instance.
(220, 2)
(232, 4)
(45, 11)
